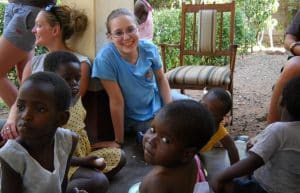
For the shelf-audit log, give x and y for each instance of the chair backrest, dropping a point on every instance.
(207, 29)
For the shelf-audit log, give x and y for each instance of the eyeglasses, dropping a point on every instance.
(120, 34)
(51, 9)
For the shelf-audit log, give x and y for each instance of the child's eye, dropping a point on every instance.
(152, 130)
(165, 140)
(41, 108)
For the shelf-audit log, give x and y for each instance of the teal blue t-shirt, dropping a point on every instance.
(137, 82)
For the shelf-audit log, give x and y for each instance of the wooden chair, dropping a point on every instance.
(204, 35)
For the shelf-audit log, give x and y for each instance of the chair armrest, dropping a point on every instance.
(163, 47)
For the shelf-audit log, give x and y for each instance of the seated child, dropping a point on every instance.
(143, 13)
(219, 103)
(38, 160)
(84, 162)
(274, 158)
(177, 133)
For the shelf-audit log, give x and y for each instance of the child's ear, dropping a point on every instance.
(188, 154)
(63, 118)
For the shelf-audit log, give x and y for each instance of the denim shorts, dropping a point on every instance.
(249, 185)
(18, 22)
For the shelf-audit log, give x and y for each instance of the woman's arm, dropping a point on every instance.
(84, 80)
(116, 105)
(291, 70)
(289, 40)
(11, 181)
(163, 85)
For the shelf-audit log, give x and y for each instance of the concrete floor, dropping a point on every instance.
(136, 168)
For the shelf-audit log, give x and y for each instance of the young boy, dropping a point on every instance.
(38, 160)
(219, 103)
(177, 133)
(275, 156)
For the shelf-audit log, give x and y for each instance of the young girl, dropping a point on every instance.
(37, 161)
(177, 133)
(67, 66)
(54, 25)
(219, 103)
(143, 11)
(274, 157)
(131, 72)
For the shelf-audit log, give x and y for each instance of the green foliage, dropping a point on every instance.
(164, 4)
(2, 10)
(257, 12)
(167, 30)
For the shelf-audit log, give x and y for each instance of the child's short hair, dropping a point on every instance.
(62, 90)
(190, 121)
(223, 96)
(291, 97)
(54, 59)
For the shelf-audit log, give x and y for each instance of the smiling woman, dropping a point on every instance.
(131, 72)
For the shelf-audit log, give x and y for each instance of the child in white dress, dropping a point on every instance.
(38, 160)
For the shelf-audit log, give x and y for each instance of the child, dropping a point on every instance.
(37, 161)
(143, 12)
(177, 133)
(219, 103)
(67, 66)
(274, 158)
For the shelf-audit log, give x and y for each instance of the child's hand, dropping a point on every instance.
(94, 162)
(76, 190)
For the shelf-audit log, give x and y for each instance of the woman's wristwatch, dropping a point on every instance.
(292, 46)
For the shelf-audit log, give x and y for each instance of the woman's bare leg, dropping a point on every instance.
(10, 55)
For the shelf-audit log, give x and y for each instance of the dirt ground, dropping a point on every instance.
(253, 79)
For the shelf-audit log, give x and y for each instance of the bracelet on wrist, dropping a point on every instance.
(292, 47)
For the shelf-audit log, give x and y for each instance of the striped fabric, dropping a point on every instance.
(199, 75)
(207, 31)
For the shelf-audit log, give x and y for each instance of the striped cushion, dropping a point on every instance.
(199, 75)
(207, 31)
